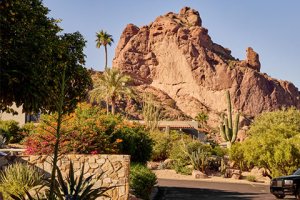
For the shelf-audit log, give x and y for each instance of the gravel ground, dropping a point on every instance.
(171, 174)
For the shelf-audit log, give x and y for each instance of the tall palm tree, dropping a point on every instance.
(111, 85)
(103, 38)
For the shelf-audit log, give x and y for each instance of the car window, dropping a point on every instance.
(297, 172)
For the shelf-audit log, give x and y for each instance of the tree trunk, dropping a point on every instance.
(107, 106)
(113, 105)
(105, 57)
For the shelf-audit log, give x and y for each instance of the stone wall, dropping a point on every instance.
(114, 169)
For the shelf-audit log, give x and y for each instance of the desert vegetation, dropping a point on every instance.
(273, 143)
(80, 115)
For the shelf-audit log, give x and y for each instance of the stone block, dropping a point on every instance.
(87, 175)
(107, 180)
(236, 174)
(86, 167)
(198, 175)
(47, 167)
(121, 173)
(72, 157)
(81, 159)
(117, 165)
(92, 160)
(33, 159)
(59, 163)
(76, 165)
(122, 190)
(77, 173)
(3, 161)
(91, 171)
(94, 165)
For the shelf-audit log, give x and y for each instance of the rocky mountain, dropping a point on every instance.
(176, 57)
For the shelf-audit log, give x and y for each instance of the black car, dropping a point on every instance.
(286, 185)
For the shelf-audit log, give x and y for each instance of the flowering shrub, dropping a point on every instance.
(90, 131)
(86, 131)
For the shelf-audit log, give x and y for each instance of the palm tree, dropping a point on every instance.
(111, 85)
(103, 38)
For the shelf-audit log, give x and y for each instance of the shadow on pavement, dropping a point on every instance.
(174, 193)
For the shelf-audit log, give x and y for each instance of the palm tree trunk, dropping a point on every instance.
(113, 105)
(107, 106)
(105, 47)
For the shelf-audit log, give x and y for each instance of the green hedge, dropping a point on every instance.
(141, 181)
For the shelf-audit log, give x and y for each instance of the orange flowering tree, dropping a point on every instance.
(90, 131)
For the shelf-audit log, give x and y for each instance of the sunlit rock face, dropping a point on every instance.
(176, 56)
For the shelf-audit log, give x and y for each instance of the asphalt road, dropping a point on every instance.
(192, 190)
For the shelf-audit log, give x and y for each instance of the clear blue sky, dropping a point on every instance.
(271, 27)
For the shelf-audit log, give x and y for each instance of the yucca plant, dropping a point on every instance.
(18, 178)
(199, 159)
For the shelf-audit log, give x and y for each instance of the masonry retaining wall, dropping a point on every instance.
(114, 169)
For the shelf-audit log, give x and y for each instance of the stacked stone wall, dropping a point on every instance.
(112, 169)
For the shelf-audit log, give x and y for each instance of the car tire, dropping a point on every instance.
(279, 196)
(298, 193)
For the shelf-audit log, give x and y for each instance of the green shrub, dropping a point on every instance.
(181, 168)
(11, 131)
(141, 180)
(236, 154)
(273, 143)
(219, 151)
(162, 145)
(18, 178)
(28, 128)
(134, 141)
(251, 178)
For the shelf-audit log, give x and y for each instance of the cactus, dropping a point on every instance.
(151, 112)
(222, 166)
(229, 130)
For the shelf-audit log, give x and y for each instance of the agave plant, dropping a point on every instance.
(73, 188)
(77, 188)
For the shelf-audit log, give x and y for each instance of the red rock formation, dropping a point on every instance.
(175, 55)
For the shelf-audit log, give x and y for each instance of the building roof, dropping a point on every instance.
(174, 124)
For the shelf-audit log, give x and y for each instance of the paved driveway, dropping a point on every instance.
(192, 190)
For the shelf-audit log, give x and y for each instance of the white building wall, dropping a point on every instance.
(20, 117)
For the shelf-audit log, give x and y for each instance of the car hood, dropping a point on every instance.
(287, 177)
